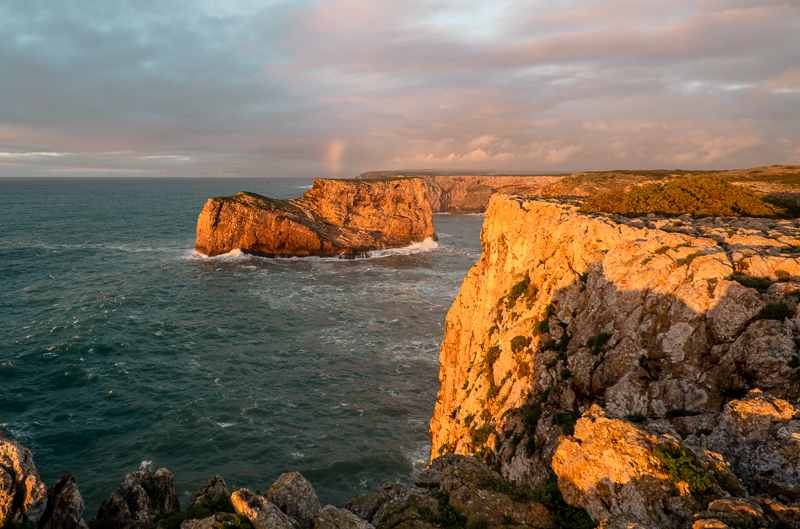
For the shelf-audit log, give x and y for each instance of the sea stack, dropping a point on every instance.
(335, 218)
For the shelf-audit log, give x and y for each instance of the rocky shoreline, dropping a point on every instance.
(596, 371)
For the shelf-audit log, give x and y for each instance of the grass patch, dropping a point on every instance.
(775, 311)
(782, 275)
(687, 261)
(635, 417)
(711, 287)
(700, 196)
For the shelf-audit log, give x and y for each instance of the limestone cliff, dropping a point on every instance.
(334, 218)
(471, 193)
(663, 325)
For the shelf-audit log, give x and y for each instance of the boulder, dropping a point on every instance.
(139, 498)
(64, 506)
(332, 518)
(294, 495)
(261, 513)
(23, 496)
(211, 490)
(760, 436)
(610, 469)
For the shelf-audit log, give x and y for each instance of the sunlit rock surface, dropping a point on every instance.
(334, 218)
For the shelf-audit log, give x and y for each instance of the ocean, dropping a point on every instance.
(120, 346)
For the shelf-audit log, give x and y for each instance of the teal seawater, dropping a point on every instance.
(119, 345)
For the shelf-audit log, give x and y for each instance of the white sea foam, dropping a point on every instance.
(417, 247)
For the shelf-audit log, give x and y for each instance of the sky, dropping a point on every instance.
(337, 87)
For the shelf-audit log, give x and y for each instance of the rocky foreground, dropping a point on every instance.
(650, 364)
(335, 218)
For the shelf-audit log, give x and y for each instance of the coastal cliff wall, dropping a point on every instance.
(470, 193)
(334, 218)
(665, 329)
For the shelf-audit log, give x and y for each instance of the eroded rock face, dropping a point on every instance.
(294, 495)
(211, 490)
(261, 513)
(666, 322)
(608, 467)
(141, 497)
(335, 218)
(64, 505)
(22, 493)
(470, 193)
(454, 486)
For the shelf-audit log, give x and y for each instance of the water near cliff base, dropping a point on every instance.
(119, 345)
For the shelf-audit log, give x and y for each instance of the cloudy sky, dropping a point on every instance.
(337, 87)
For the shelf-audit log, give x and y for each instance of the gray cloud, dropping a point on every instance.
(341, 86)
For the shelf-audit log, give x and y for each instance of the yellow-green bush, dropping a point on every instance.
(701, 196)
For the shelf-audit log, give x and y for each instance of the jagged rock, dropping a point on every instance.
(261, 513)
(211, 490)
(64, 505)
(408, 511)
(760, 436)
(334, 218)
(218, 521)
(294, 495)
(22, 493)
(789, 516)
(608, 467)
(141, 497)
(332, 518)
(369, 506)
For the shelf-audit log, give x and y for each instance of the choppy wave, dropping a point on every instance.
(234, 365)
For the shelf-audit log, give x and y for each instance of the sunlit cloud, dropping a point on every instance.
(337, 87)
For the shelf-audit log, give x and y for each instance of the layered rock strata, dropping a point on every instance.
(471, 193)
(335, 218)
(656, 331)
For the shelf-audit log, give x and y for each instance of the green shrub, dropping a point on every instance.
(686, 261)
(702, 196)
(782, 275)
(492, 354)
(597, 342)
(567, 421)
(682, 465)
(759, 283)
(563, 515)
(775, 311)
(522, 289)
(672, 414)
(635, 417)
(204, 510)
(519, 343)
(493, 329)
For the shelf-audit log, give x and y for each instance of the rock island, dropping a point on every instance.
(335, 218)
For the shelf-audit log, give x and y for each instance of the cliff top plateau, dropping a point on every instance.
(335, 218)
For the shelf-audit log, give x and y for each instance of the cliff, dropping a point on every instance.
(334, 218)
(470, 193)
(605, 349)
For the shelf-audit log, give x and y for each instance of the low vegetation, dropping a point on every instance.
(700, 196)
(682, 465)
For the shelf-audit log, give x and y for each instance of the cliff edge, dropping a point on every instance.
(651, 364)
(336, 218)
